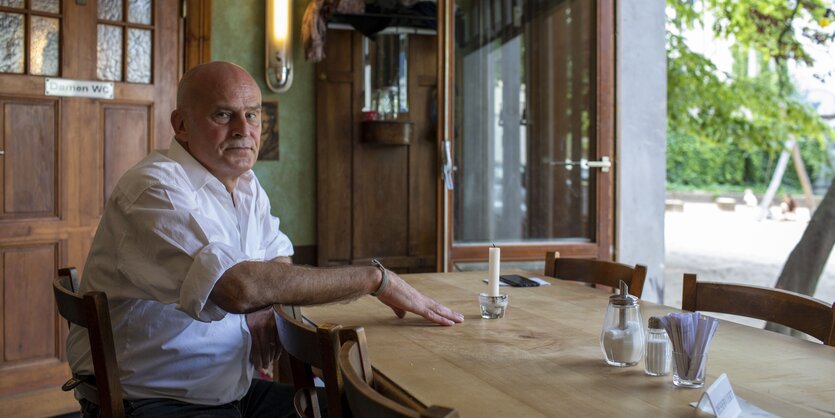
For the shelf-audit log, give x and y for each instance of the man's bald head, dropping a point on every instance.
(208, 76)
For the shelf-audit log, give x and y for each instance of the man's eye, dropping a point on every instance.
(252, 116)
(223, 116)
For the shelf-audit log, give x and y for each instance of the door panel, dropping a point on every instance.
(34, 339)
(61, 157)
(533, 84)
(29, 165)
(126, 140)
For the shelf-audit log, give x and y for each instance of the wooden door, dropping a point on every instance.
(61, 157)
(377, 181)
(533, 91)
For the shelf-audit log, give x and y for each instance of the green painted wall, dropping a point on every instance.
(238, 36)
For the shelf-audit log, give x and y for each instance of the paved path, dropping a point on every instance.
(732, 247)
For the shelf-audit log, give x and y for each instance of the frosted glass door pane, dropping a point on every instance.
(109, 54)
(12, 3)
(43, 50)
(110, 10)
(49, 6)
(139, 56)
(11, 43)
(139, 11)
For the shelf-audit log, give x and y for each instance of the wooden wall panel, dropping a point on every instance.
(167, 70)
(30, 158)
(126, 141)
(28, 306)
(381, 197)
(423, 154)
(334, 139)
(198, 33)
(375, 200)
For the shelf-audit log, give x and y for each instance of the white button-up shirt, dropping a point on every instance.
(169, 231)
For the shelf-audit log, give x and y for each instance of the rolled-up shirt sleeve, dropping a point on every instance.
(278, 244)
(169, 234)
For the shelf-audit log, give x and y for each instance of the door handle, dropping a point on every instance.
(2, 152)
(604, 164)
(447, 167)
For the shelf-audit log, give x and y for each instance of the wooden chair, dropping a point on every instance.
(91, 311)
(360, 384)
(597, 272)
(793, 310)
(311, 347)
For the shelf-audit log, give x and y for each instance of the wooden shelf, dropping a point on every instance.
(386, 132)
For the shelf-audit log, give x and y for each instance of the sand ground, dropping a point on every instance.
(732, 247)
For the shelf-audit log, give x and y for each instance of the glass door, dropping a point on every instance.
(532, 129)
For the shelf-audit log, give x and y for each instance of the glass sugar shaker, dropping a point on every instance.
(622, 337)
(659, 349)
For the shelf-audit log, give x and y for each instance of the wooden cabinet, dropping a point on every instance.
(376, 191)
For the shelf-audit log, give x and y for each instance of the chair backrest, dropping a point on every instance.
(801, 312)
(359, 384)
(598, 272)
(308, 347)
(91, 312)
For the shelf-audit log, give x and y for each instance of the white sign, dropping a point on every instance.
(78, 88)
(721, 399)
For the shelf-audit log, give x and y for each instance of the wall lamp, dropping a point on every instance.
(279, 45)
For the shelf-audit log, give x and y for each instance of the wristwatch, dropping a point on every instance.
(384, 282)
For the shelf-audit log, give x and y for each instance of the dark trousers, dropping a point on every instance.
(264, 399)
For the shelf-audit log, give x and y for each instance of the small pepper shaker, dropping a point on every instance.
(658, 351)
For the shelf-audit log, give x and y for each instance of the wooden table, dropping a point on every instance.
(544, 359)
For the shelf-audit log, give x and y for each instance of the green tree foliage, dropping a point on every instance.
(726, 128)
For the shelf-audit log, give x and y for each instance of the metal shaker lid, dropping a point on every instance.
(655, 322)
(623, 298)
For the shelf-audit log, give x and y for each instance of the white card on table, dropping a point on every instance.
(720, 396)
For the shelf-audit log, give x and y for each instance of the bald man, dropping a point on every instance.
(192, 261)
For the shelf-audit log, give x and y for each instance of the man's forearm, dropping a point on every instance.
(251, 285)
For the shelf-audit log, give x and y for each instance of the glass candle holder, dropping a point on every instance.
(492, 307)
(694, 375)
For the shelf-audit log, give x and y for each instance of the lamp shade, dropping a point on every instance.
(278, 45)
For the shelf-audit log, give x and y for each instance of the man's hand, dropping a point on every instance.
(402, 297)
(264, 338)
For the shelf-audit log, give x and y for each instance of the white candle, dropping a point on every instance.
(493, 276)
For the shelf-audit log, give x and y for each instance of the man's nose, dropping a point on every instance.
(239, 126)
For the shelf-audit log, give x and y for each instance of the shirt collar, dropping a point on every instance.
(198, 175)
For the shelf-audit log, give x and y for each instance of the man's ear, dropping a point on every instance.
(178, 122)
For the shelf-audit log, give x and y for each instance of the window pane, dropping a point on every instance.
(50, 6)
(109, 53)
(110, 10)
(524, 121)
(12, 3)
(139, 56)
(139, 11)
(43, 49)
(11, 43)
